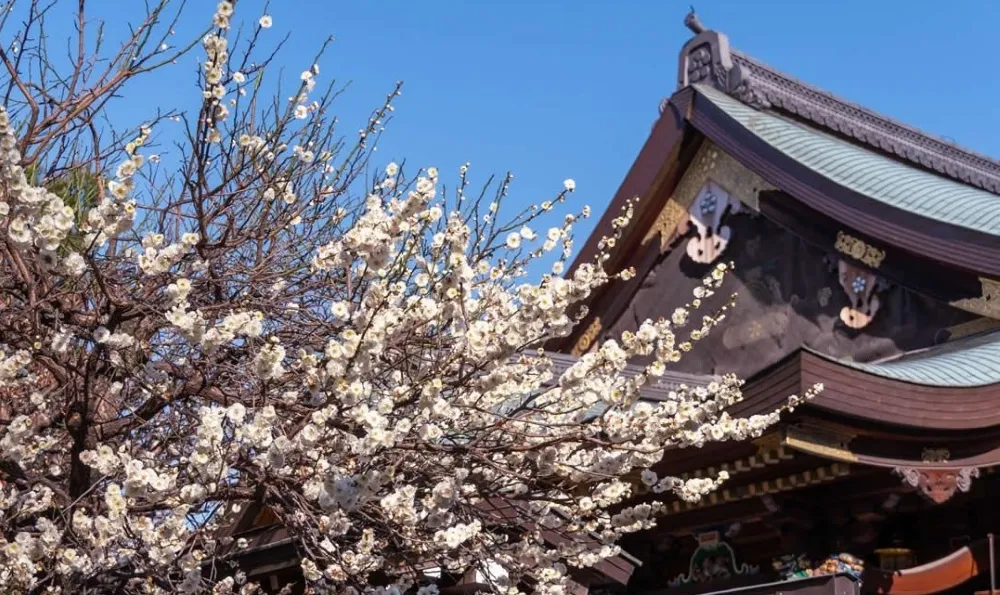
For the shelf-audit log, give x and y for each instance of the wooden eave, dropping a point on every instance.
(661, 162)
(653, 170)
(860, 395)
(956, 246)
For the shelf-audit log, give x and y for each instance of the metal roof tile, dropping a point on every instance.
(868, 173)
(967, 362)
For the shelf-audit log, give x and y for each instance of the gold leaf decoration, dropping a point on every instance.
(672, 215)
(988, 304)
(859, 250)
(587, 338)
(709, 163)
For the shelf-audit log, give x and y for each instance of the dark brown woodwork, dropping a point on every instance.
(912, 271)
(789, 296)
(655, 171)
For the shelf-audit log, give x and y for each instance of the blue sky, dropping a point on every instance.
(561, 88)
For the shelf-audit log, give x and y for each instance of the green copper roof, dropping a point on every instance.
(966, 362)
(875, 176)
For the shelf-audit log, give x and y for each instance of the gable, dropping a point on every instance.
(803, 280)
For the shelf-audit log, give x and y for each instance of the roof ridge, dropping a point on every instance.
(864, 112)
(708, 59)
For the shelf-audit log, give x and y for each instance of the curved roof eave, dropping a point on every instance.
(969, 362)
(911, 393)
(878, 196)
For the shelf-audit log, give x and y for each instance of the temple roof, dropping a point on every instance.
(889, 181)
(968, 362)
(707, 58)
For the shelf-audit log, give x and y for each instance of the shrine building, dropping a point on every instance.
(867, 258)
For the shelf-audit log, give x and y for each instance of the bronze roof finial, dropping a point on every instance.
(692, 22)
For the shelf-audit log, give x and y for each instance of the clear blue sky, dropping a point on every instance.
(551, 89)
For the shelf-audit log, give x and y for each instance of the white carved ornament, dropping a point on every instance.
(707, 212)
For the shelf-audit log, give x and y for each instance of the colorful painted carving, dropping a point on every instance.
(939, 485)
(793, 566)
(713, 560)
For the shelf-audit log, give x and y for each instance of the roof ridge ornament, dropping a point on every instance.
(706, 59)
(692, 22)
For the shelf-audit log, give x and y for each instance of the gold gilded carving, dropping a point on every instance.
(935, 455)
(672, 215)
(587, 338)
(822, 445)
(858, 250)
(709, 163)
(988, 304)
(768, 442)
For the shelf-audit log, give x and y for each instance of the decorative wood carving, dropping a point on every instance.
(587, 338)
(709, 163)
(860, 286)
(988, 304)
(859, 250)
(706, 59)
(669, 219)
(706, 216)
(939, 485)
(801, 309)
(772, 324)
(714, 559)
(935, 455)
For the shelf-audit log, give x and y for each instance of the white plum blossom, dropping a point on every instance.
(255, 323)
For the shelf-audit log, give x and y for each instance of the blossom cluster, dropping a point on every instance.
(366, 365)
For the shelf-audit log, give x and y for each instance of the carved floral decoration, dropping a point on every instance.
(939, 485)
(861, 287)
(707, 213)
(859, 250)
